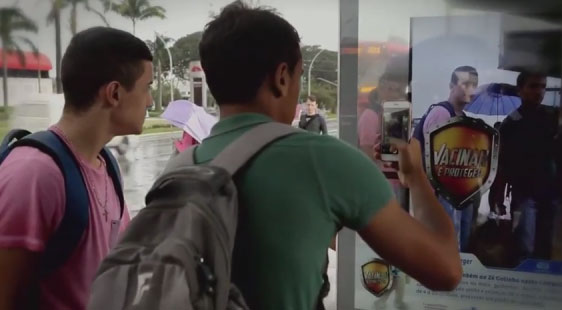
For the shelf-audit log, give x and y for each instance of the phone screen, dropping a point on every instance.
(395, 125)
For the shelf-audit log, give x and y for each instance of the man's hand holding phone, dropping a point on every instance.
(409, 163)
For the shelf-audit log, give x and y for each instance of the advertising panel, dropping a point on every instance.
(497, 177)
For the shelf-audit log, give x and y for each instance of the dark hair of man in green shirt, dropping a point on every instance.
(298, 192)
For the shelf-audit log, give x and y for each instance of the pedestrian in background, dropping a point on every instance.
(311, 120)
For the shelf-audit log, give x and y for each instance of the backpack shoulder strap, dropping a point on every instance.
(76, 213)
(239, 152)
(311, 120)
(115, 174)
(13, 135)
(447, 105)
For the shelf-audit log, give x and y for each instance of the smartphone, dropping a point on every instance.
(395, 124)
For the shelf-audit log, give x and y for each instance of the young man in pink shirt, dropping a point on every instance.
(464, 81)
(106, 76)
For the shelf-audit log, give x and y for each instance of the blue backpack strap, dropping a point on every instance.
(418, 131)
(76, 215)
(13, 135)
(447, 105)
(115, 174)
(64, 240)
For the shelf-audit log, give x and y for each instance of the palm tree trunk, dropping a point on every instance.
(160, 88)
(58, 51)
(73, 22)
(134, 25)
(5, 78)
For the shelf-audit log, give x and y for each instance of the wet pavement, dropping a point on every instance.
(142, 164)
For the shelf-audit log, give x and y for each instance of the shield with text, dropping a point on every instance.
(461, 158)
(377, 277)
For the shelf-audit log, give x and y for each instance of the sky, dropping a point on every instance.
(316, 20)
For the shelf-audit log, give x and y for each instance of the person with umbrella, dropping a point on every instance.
(195, 122)
(464, 81)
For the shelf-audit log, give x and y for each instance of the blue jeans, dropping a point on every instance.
(527, 225)
(533, 233)
(462, 220)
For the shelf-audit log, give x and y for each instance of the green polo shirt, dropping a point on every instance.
(293, 198)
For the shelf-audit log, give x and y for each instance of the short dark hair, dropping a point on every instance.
(312, 98)
(525, 75)
(97, 56)
(241, 47)
(469, 69)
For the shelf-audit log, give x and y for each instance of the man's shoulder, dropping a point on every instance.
(514, 116)
(311, 146)
(438, 110)
(25, 161)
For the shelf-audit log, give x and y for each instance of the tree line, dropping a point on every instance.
(14, 24)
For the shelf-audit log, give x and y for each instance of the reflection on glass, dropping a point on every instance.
(463, 58)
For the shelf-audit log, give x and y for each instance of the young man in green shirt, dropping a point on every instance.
(293, 197)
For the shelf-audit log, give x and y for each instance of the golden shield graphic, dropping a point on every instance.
(377, 276)
(461, 158)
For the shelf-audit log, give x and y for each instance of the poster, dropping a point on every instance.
(511, 248)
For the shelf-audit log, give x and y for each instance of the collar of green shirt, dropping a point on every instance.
(237, 122)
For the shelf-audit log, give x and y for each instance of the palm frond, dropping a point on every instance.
(29, 43)
(24, 25)
(56, 6)
(15, 19)
(8, 44)
(153, 11)
(98, 13)
(17, 49)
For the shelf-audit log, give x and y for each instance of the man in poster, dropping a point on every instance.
(527, 167)
(464, 81)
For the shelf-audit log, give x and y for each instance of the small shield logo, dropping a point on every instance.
(377, 277)
(462, 159)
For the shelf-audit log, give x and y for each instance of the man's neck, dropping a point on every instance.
(88, 133)
(529, 106)
(458, 106)
(227, 110)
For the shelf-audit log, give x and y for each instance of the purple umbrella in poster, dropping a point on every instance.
(495, 99)
(191, 118)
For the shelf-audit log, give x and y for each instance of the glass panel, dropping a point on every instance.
(409, 51)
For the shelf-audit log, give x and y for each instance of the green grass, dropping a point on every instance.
(158, 126)
(331, 115)
(3, 130)
(150, 126)
(154, 113)
(160, 130)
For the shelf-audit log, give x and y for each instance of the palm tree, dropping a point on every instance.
(136, 10)
(158, 49)
(13, 20)
(54, 16)
(74, 13)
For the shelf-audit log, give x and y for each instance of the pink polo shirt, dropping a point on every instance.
(32, 202)
(437, 116)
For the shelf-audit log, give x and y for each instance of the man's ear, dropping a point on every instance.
(110, 93)
(281, 77)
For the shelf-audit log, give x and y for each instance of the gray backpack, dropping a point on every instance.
(176, 254)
